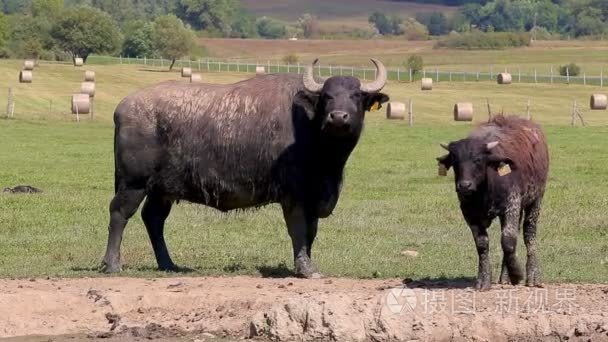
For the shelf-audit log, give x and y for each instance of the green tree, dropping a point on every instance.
(139, 41)
(3, 30)
(81, 31)
(172, 39)
(209, 14)
(49, 9)
(270, 28)
(309, 25)
(415, 63)
(243, 26)
(381, 22)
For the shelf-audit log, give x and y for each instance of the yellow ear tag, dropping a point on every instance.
(375, 106)
(504, 170)
(443, 171)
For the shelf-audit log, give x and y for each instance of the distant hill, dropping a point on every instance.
(338, 10)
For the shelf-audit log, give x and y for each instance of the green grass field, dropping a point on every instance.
(392, 199)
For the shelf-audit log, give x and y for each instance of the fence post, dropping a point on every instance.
(410, 113)
(535, 76)
(398, 74)
(450, 76)
(352, 71)
(410, 75)
(567, 75)
(437, 75)
(477, 79)
(464, 76)
(120, 59)
(584, 78)
(519, 74)
(551, 74)
(602, 78)
(10, 104)
(491, 71)
(364, 74)
(330, 71)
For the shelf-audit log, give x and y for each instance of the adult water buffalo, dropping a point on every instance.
(501, 171)
(279, 138)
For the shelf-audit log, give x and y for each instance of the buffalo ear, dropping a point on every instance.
(370, 99)
(444, 162)
(497, 161)
(307, 101)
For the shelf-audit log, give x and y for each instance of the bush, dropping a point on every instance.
(477, 40)
(413, 30)
(290, 59)
(270, 28)
(570, 69)
(415, 63)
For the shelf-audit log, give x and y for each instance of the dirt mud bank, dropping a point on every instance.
(220, 308)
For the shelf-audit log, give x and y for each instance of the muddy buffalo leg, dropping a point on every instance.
(154, 213)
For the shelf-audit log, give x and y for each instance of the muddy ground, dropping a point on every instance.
(228, 309)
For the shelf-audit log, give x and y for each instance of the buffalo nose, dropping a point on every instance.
(338, 118)
(465, 185)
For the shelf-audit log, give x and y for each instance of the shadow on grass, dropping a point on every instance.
(157, 70)
(182, 270)
(442, 283)
(279, 271)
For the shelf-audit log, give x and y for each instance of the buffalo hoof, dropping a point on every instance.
(534, 283)
(311, 275)
(110, 268)
(168, 268)
(483, 285)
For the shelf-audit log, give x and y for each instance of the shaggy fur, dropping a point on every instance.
(485, 194)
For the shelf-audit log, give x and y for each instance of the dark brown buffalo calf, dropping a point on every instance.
(501, 171)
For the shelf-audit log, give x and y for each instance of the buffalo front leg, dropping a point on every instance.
(532, 213)
(482, 242)
(302, 230)
(510, 227)
(154, 213)
(123, 206)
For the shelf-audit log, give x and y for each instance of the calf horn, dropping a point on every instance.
(380, 81)
(309, 80)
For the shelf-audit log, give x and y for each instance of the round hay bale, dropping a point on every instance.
(186, 72)
(81, 104)
(25, 76)
(463, 111)
(504, 78)
(196, 78)
(88, 88)
(78, 62)
(427, 84)
(89, 76)
(260, 70)
(395, 111)
(599, 101)
(28, 64)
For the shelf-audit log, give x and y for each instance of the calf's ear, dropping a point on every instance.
(307, 101)
(445, 163)
(498, 161)
(374, 100)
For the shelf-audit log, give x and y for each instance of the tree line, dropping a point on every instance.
(64, 29)
(543, 18)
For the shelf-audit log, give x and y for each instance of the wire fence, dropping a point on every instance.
(548, 75)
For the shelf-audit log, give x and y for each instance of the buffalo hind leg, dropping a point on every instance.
(154, 213)
(532, 213)
(302, 230)
(123, 206)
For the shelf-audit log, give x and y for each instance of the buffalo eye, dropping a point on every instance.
(356, 96)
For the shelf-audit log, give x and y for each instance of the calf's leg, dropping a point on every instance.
(510, 227)
(482, 242)
(154, 213)
(302, 230)
(123, 206)
(532, 213)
